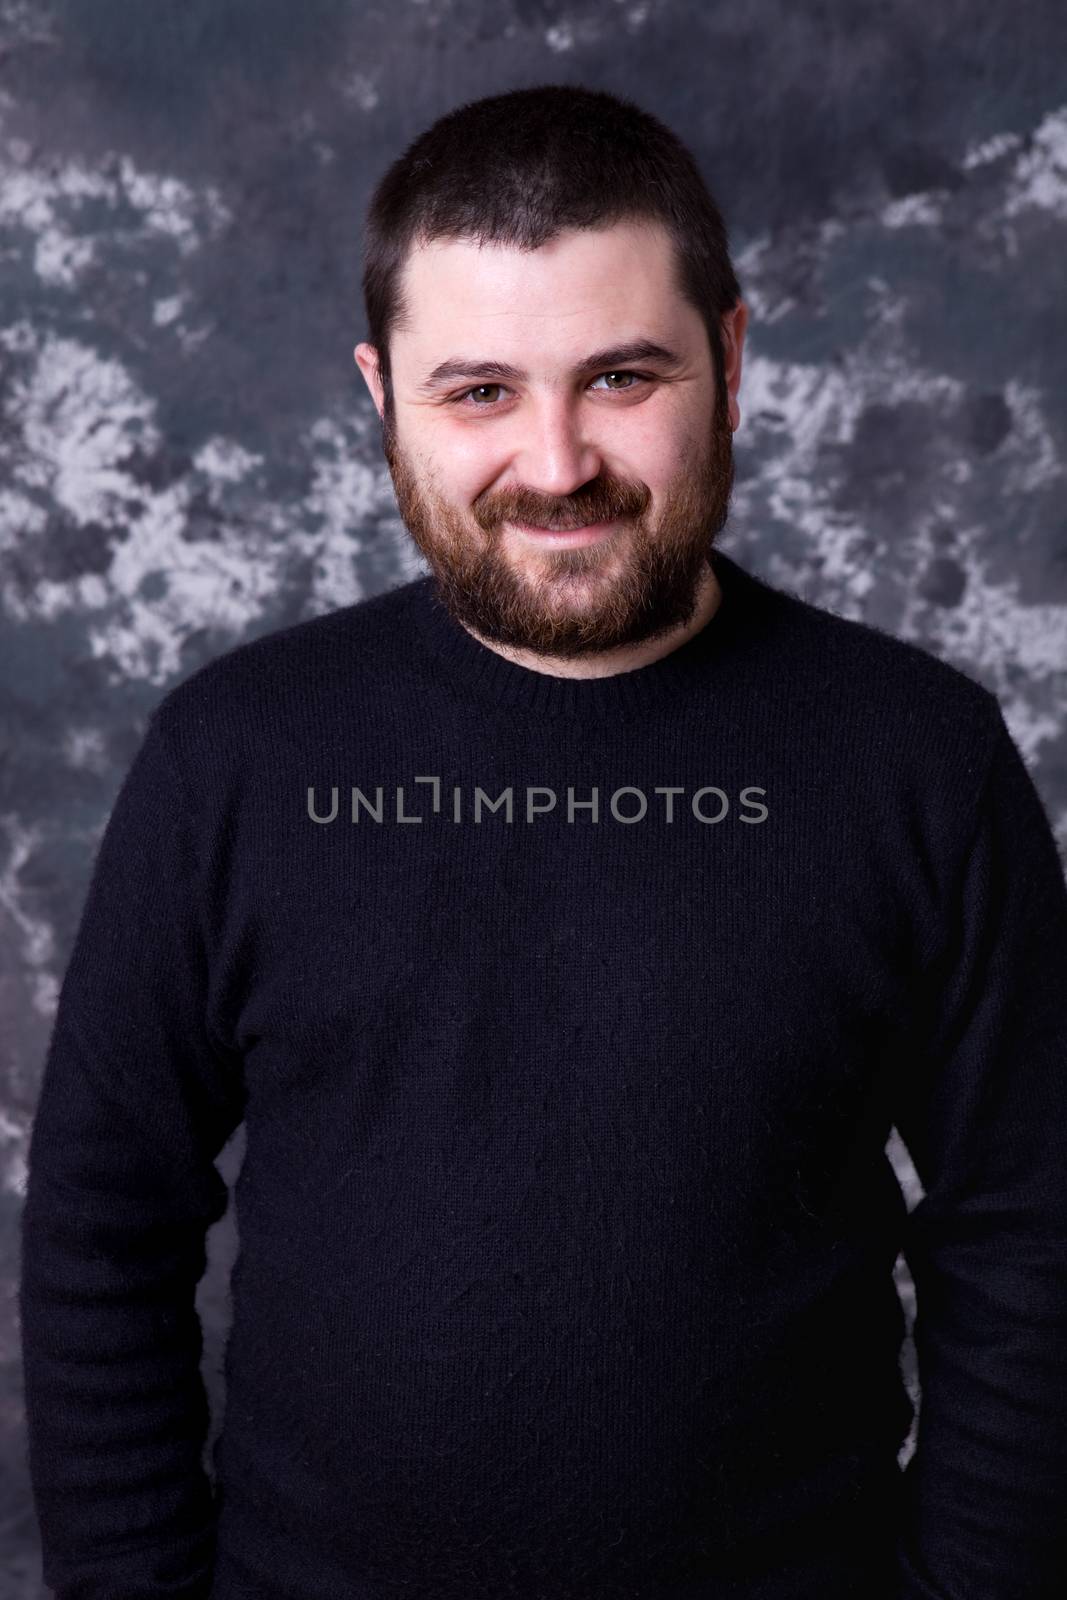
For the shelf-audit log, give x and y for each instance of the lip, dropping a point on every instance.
(589, 534)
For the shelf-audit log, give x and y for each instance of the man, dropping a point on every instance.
(537, 542)
(634, 901)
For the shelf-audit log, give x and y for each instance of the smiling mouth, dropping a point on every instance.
(563, 527)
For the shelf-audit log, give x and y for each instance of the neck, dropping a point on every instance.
(606, 663)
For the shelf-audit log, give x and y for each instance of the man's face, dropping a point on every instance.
(636, 444)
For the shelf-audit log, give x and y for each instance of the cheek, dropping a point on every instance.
(465, 466)
(438, 475)
(657, 468)
(653, 451)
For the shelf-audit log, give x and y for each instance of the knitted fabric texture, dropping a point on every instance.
(567, 1228)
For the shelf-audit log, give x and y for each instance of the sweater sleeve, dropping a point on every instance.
(983, 1112)
(136, 1102)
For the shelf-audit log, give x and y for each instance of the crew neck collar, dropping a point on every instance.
(494, 677)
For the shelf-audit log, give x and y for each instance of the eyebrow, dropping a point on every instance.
(637, 352)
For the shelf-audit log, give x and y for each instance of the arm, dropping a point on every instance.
(136, 1102)
(983, 1112)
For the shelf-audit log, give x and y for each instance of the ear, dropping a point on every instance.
(734, 324)
(367, 362)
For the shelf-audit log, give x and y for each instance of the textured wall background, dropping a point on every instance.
(188, 456)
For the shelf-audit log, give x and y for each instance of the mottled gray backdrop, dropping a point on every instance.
(188, 456)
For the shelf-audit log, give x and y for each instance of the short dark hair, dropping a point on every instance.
(516, 169)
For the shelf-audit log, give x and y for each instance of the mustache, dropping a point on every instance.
(573, 512)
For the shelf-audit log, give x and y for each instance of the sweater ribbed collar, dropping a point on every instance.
(491, 676)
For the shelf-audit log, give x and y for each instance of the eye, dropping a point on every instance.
(465, 402)
(480, 388)
(636, 375)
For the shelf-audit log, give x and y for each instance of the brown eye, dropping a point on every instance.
(635, 376)
(464, 401)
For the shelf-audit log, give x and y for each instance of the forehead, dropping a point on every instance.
(581, 289)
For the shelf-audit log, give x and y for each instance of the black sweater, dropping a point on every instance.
(567, 1226)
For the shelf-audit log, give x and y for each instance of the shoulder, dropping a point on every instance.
(316, 644)
(271, 686)
(897, 740)
(896, 691)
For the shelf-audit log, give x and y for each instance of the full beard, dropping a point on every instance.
(637, 584)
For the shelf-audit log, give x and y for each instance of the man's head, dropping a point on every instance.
(561, 246)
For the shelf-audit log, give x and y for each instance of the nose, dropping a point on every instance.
(556, 456)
